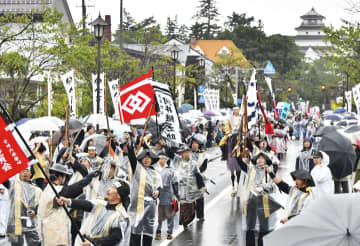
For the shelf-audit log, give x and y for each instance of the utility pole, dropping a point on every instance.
(121, 24)
(83, 13)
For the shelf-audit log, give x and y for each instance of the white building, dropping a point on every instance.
(310, 35)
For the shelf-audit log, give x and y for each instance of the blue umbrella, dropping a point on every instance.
(22, 121)
(181, 110)
(333, 117)
(339, 111)
(187, 107)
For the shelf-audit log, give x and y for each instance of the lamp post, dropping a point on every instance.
(99, 25)
(174, 53)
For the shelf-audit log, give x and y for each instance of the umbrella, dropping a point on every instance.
(39, 124)
(321, 131)
(340, 111)
(99, 142)
(53, 119)
(341, 153)
(211, 113)
(353, 129)
(22, 121)
(75, 124)
(187, 107)
(332, 117)
(329, 220)
(181, 110)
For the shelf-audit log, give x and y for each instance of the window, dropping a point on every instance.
(307, 33)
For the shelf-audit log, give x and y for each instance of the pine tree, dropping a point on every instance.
(207, 16)
(171, 29)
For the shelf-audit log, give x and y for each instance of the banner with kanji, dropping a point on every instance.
(167, 116)
(12, 158)
(268, 82)
(356, 94)
(136, 98)
(285, 111)
(101, 91)
(69, 84)
(115, 93)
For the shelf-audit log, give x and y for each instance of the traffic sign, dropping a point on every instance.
(201, 88)
(201, 99)
(269, 68)
(239, 101)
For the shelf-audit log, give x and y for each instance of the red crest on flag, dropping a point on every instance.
(136, 99)
(12, 158)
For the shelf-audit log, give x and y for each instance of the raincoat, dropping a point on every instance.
(259, 207)
(24, 197)
(142, 209)
(303, 161)
(4, 208)
(55, 225)
(101, 220)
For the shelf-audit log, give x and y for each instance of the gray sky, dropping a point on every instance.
(279, 16)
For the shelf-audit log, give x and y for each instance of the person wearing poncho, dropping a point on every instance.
(145, 185)
(259, 204)
(108, 222)
(24, 202)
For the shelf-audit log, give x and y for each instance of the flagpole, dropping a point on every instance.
(42, 170)
(145, 127)
(111, 151)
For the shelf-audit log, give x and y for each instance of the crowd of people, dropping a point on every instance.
(122, 193)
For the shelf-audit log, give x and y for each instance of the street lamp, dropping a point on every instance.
(289, 89)
(323, 89)
(99, 25)
(174, 53)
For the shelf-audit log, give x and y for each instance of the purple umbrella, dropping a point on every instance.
(210, 113)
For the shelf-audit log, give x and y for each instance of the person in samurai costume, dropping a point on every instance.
(259, 203)
(95, 160)
(304, 160)
(145, 189)
(54, 224)
(300, 195)
(24, 202)
(100, 184)
(169, 195)
(122, 159)
(4, 208)
(191, 184)
(108, 222)
(263, 147)
(278, 140)
(228, 143)
(198, 154)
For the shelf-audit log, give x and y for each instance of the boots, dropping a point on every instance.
(158, 236)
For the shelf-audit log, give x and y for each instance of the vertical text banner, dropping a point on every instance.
(12, 158)
(168, 118)
(69, 84)
(101, 89)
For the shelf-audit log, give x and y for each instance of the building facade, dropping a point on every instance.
(310, 35)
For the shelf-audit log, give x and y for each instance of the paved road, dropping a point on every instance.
(223, 225)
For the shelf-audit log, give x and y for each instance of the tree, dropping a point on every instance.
(207, 16)
(26, 56)
(171, 28)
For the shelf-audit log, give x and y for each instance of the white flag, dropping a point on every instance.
(251, 97)
(102, 96)
(268, 82)
(356, 94)
(167, 118)
(348, 100)
(69, 84)
(115, 93)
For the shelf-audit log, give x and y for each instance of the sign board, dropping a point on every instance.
(269, 68)
(201, 88)
(201, 99)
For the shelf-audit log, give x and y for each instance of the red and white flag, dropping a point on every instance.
(12, 158)
(136, 98)
(268, 128)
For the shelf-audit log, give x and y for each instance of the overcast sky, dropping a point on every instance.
(279, 16)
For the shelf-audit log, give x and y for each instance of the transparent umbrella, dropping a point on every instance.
(328, 221)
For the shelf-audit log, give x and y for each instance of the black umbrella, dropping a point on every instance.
(321, 131)
(341, 153)
(75, 124)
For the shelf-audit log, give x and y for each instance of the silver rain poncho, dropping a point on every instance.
(143, 206)
(99, 185)
(259, 207)
(188, 189)
(24, 197)
(304, 159)
(297, 201)
(101, 220)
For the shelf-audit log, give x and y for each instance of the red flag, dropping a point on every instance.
(136, 98)
(12, 158)
(268, 128)
(275, 110)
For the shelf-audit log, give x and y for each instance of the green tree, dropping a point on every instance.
(207, 16)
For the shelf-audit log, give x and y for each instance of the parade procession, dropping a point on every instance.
(152, 133)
